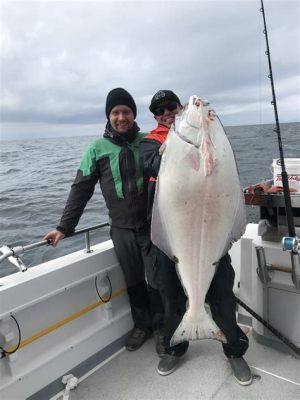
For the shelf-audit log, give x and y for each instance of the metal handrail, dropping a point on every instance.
(92, 228)
(8, 251)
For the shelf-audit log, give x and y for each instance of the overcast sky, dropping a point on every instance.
(59, 59)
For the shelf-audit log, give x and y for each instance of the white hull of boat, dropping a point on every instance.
(61, 318)
(66, 328)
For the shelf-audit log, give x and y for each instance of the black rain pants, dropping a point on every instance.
(133, 250)
(173, 298)
(221, 300)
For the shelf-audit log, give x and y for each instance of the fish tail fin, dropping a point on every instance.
(195, 329)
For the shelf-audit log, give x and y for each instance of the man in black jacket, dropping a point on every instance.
(166, 279)
(114, 161)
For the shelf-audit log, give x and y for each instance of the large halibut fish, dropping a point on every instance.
(198, 209)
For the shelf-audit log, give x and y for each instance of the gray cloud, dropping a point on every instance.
(60, 58)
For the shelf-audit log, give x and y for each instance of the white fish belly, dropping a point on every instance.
(195, 218)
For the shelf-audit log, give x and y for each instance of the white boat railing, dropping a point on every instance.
(12, 254)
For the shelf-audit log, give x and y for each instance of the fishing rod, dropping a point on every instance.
(291, 242)
(271, 328)
(284, 176)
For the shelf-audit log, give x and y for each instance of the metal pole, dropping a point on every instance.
(87, 242)
(8, 251)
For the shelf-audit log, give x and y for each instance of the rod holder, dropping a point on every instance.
(295, 258)
(87, 242)
(263, 270)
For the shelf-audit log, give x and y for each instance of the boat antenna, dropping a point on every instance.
(284, 176)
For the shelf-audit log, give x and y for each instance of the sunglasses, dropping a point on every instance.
(161, 109)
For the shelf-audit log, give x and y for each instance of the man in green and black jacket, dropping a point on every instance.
(114, 161)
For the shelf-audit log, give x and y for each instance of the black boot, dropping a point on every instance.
(136, 339)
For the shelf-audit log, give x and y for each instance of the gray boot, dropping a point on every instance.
(167, 364)
(241, 370)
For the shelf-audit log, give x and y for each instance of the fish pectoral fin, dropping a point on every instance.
(194, 158)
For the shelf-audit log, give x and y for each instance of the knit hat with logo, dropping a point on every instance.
(163, 96)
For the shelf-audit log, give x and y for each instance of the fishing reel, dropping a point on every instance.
(291, 244)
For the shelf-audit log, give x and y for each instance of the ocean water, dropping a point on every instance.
(36, 175)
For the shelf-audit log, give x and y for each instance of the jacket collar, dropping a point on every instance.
(121, 140)
(161, 129)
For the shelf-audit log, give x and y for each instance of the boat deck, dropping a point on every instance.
(203, 373)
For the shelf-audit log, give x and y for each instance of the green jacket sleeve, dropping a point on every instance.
(81, 191)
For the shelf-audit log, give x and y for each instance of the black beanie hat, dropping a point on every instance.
(162, 96)
(117, 97)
